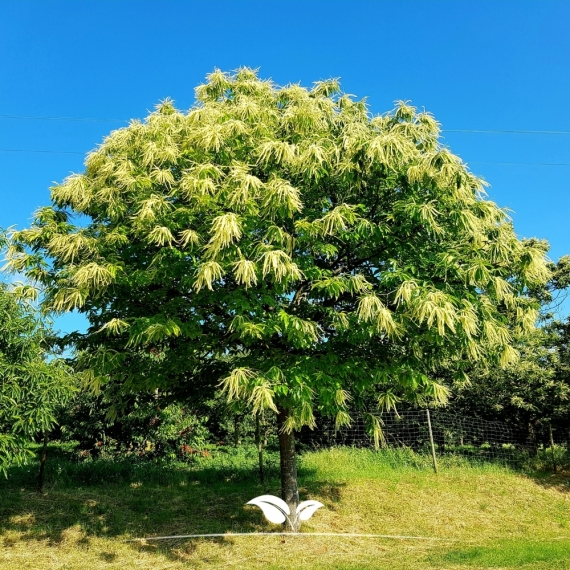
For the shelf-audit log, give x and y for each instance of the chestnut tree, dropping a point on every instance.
(288, 245)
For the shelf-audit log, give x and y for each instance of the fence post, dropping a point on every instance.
(552, 446)
(431, 441)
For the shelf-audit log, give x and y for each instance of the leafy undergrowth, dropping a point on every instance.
(483, 516)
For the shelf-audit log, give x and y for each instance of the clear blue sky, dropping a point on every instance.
(495, 65)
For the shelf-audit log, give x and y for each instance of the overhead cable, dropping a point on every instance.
(81, 119)
(24, 150)
(109, 120)
(506, 131)
(41, 151)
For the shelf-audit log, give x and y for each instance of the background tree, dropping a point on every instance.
(33, 382)
(533, 393)
(329, 252)
(528, 395)
(153, 428)
(559, 402)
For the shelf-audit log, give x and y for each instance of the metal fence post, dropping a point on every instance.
(431, 441)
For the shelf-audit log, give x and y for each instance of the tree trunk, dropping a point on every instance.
(259, 445)
(237, 438)
(289, 488)
(552, 447)
(42, 465)
(532, 438)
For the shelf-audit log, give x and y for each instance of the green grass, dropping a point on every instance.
(510, 554)
(484, 515)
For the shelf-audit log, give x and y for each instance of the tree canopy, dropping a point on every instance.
(32, 382)
(285, 242)
(533, 393)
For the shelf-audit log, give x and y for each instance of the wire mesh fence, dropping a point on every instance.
(451, 435)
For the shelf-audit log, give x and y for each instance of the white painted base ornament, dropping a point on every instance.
(277, 511)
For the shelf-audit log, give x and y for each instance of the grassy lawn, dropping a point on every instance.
(484, 516)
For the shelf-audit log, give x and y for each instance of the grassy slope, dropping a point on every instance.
(488, 516)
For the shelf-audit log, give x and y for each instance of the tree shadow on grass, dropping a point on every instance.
(136, 499)
(559, 481)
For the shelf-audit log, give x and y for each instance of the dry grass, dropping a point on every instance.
(492, 517)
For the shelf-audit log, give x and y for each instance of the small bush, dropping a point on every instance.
(149, 430)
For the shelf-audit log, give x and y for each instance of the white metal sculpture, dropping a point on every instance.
(277, 511)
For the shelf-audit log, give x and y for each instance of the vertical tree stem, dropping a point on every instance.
(236, 430)
(42, 464)
(431, 441)
(552, 447)
(288, 464)
(259, 444)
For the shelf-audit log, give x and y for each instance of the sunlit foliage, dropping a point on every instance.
(33, 383)
(329, 251)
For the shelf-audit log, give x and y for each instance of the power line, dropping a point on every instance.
(506, 131)
(80, 119)
(109, 120)
(523, 163)
(41, 151)
(24, 150)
